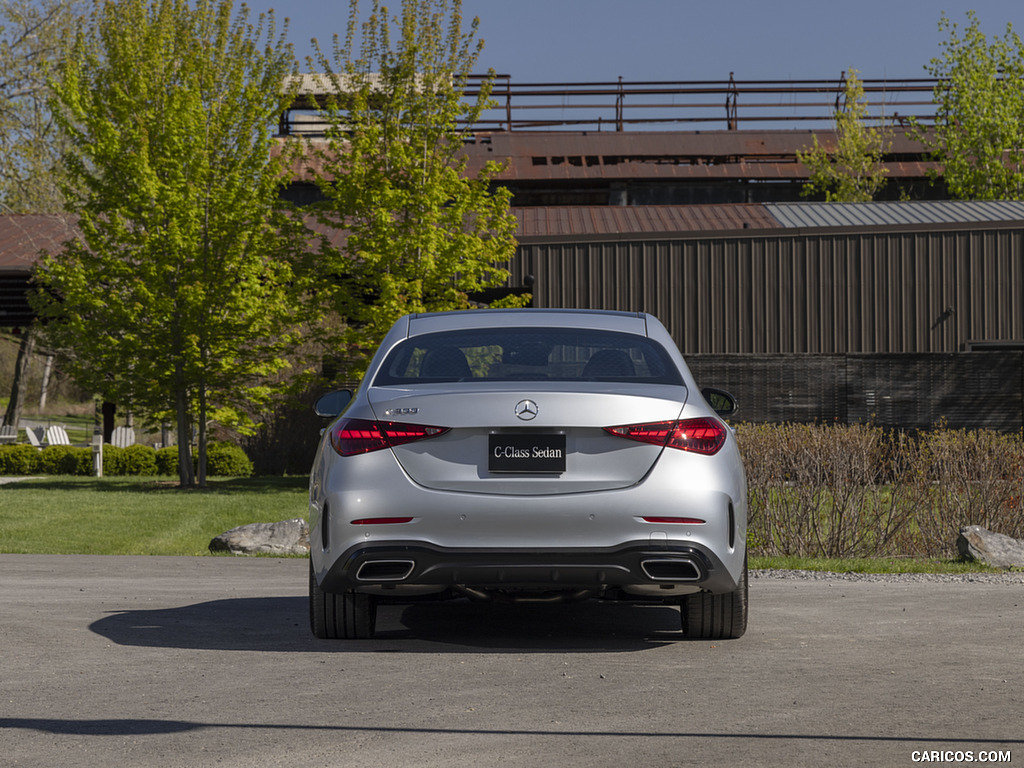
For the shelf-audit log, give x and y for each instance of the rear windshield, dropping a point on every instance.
(527, 354)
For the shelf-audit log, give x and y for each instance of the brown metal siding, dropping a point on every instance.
(827, 293)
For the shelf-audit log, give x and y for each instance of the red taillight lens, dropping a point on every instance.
(703, 435)
(353, 436)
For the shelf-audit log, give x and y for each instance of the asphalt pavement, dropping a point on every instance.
(152, 661)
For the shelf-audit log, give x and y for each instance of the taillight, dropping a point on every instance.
(703, 435)
(353, 436)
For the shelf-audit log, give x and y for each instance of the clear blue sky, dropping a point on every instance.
(599, 40)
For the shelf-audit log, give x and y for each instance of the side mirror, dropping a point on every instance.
(331, 404)
(721, 402)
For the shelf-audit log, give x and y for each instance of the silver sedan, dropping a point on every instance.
(528, 455)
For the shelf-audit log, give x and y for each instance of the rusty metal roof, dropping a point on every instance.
(678, 155)
(640, 156)
(777, 143)
(22, 237)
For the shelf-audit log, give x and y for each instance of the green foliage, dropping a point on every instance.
(138, 460)
(422, 233)
(133, 460)
(225, 460)
(17, 460)
(62, 460)
(852, 170)
(228, 460)
(167, 461)
(979, 126)
(180, 298)
(113, 461)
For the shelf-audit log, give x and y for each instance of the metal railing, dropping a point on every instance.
(725, 104)
(669, 104)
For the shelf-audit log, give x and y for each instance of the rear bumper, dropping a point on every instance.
(411, 563)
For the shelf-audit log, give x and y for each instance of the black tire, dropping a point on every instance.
(716, 617)
(345, 616)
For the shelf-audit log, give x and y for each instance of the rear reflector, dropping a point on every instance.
(703, 435)
(353, 436)
(675, 520)
(381, 520)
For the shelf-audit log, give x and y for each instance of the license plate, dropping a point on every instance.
(526, 453)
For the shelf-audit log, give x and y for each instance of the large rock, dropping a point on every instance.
(289, 537)
(993, 549)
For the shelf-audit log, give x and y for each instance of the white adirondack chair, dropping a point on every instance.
(122, 437)
(57, 435)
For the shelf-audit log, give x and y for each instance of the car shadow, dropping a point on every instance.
(281, 624)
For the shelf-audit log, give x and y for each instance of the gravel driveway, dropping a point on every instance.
(135, 661)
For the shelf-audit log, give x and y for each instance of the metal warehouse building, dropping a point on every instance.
(900, 313)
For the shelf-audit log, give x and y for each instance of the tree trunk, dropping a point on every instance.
(47, 368)
(186, 474)
(20, 383)
(202, 434)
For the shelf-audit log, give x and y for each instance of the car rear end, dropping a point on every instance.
(544, 471)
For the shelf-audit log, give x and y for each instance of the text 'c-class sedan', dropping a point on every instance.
(528, 454)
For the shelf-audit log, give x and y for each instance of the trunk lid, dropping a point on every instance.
(527, 440)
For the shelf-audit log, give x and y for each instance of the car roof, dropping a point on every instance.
(432, 322)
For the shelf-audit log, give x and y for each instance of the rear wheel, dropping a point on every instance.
(716, 617)
(345, 616)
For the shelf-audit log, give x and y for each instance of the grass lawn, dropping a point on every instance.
(138, 516)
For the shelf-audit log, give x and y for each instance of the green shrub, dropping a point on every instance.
(138, 460)
(18, 460)
(113, 461)
(85, 464)
(227, 459)
(62, 459)
(858, 491)
(968, 477)
(133, 460)
(222, 460)
(167, 460)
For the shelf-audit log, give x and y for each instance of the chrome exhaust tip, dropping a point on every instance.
(672, 569)
(385, 570)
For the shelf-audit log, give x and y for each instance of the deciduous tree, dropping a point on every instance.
(851, 170)
(423, 234)
(979, 124)
(177, 298)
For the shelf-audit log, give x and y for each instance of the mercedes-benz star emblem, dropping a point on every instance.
(526, 409)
